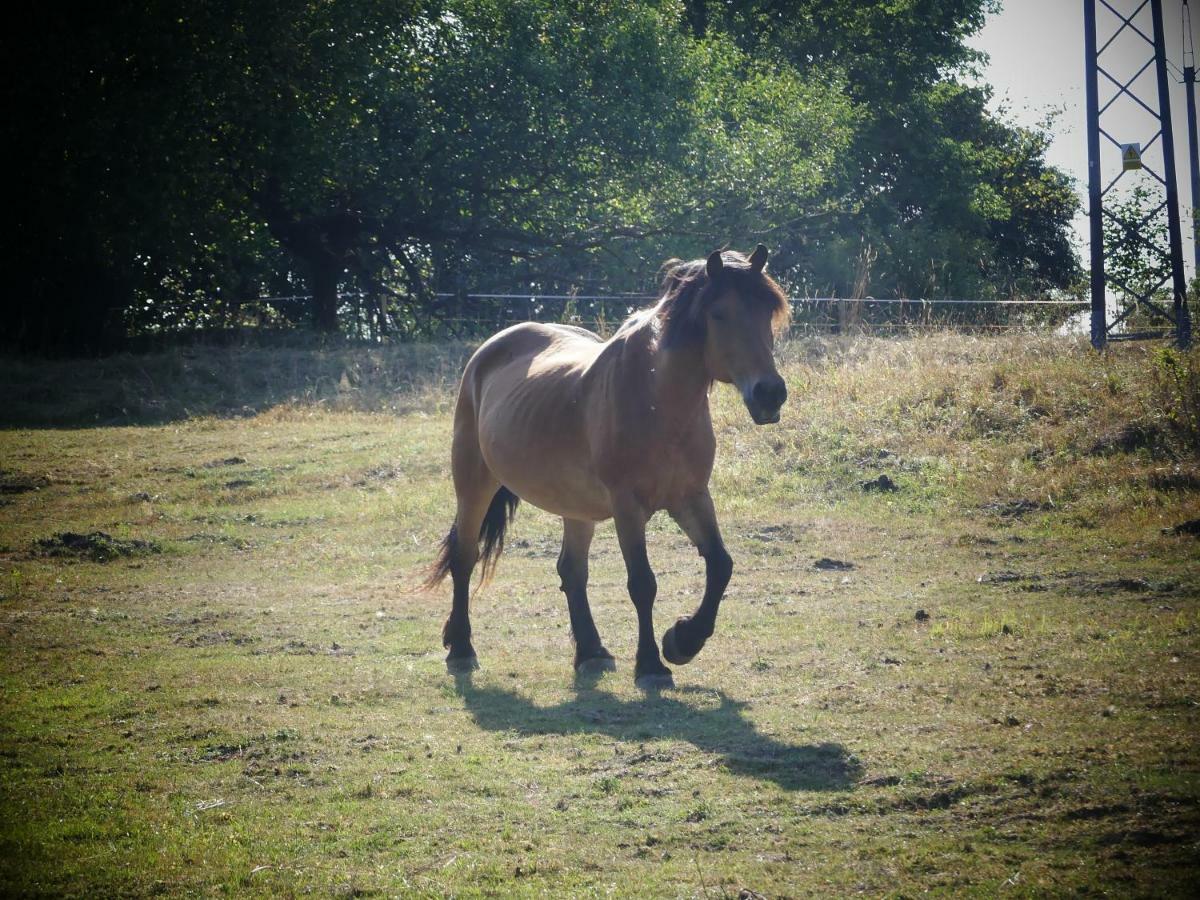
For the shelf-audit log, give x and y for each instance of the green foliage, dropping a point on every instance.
(1176, 379)
(194, 157)
(952, 199)
(1137, 256)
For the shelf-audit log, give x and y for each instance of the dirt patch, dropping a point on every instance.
(883, 485)
(969, 540)
(278, 747)
(1005, 576)
(543, 548)
(773, 533)
(304, 648)
(378, 473)
(1133, 585)
(1128, 438)
(236, 543)
(21, 483)
(214, 638)
(183, 617)
(1176, 479)
(881, 781)
(825, 564)
(228, 461)
(1191, 526)
(96, 546)
(1142, 837)
(1096, 812)
(1015, 509)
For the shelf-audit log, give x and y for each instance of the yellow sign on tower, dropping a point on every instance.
(1131, 157)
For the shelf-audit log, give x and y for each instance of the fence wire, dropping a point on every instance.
(473, 314)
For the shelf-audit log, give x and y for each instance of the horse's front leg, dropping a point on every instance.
(630, 517)
(683, 640)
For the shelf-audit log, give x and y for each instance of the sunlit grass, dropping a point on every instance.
(1000, 678)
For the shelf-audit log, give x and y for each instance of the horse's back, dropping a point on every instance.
(530, 350)
(522, 398)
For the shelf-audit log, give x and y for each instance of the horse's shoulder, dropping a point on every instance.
(620, 367)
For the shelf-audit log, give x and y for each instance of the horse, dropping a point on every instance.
(589, 430)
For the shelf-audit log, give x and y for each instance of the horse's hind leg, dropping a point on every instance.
(683, 640)
(474, 487)
(590, 654)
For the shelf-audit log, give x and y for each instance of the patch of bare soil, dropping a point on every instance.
(1191, 526)
(1015, 509)
(214, 638)
(21, 482)
(1174, 479)
(773, 533)
(228, 461)
(826, 564)
(378, 473)
(883, 484)
(538, 548)
(236, 543)
(1130, 438)
(96, 546)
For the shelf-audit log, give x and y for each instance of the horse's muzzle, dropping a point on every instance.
(765, 399)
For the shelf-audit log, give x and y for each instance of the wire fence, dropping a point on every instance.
(474, 314)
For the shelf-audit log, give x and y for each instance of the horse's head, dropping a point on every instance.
(734, 309)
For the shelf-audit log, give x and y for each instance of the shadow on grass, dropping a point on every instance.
(241, 379)
(724, 731)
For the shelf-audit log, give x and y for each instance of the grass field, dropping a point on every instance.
(984, 682)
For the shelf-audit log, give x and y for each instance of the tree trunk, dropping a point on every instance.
(696, 12)
(323, 283)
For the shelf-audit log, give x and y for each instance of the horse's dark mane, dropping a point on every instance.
(686, 295)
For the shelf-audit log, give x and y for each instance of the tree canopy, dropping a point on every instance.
(182, 160)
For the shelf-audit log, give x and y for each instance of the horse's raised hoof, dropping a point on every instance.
(670, 648)
(462, 665)
(595, 665)
(655, 682)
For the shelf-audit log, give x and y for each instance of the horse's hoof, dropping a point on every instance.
(655, 682)
(671, 649)
(594, 665)
(461, 665)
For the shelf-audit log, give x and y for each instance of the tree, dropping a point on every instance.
(190, 157)
(950, 197)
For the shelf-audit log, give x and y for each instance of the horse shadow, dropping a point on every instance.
(723, 731)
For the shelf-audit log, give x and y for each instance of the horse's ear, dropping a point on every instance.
(758, 259)
(715, 265)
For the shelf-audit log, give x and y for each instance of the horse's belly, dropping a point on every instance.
(533, 441)
(573, 500)
(563, 486)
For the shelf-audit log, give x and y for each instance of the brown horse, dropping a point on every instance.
(590, 430)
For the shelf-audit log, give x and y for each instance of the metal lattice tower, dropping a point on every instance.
(1135, 297)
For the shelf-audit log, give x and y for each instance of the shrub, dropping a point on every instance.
(1175, 376)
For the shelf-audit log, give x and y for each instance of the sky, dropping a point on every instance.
(1036, 67)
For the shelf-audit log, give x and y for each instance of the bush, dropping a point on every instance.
(1176, 379)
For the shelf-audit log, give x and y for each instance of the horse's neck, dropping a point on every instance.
(681, 385)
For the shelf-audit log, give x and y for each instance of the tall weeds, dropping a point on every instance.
(1175, 376)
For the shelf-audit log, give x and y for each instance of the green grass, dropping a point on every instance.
(259, 705)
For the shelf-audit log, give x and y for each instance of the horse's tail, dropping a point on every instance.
(500, 512)
(440, 567)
